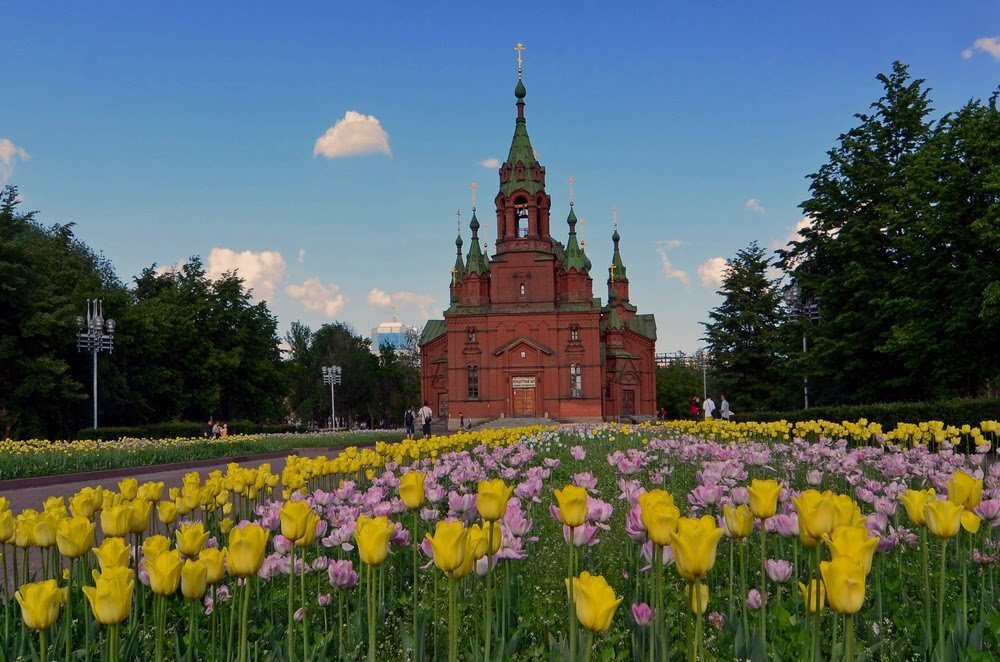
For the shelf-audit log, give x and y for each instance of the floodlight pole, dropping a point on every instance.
(95, 334)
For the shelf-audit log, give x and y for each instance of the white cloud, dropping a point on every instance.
(794, 234)
(353, 135)
(712, 271)
(989, 45)
(491, 162)
(261, 271)
(669, 270)
(754, 205)
(10, 154)
(317, 297)
(302, 255)
(425, 304)
(162, 269)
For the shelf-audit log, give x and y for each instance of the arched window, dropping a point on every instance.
(522, 221)
(472, 378)
(574, 333)
(575, 380)
(472, 334)
(522, 290)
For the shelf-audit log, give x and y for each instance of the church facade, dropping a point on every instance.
(524, 336)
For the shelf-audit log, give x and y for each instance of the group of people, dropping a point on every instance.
(424, 415)
(215, 429)
(707, 409)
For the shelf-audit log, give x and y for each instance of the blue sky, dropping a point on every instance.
(177, 129)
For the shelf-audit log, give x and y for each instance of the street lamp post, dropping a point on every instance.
(703, 357)
(331, 376)
(808, 310)
(95, 334)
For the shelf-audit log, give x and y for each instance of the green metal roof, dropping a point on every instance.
(619, 267)
(644, 325)
(476, 263)
(614, 322)
(432, 330)
(521, 151)
(574, 257)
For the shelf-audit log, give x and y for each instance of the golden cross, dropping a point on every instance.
(459, 221)
(614, 215)
(473, 186)
(583, 233)
(612, 270)
(454, 276)
(572, 180)
(519, 48)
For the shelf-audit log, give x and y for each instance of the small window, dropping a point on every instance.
(574, 333)
(472, 377)
(472, 334)
(575, 380)
(523, 290)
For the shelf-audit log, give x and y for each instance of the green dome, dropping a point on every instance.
(519, 91)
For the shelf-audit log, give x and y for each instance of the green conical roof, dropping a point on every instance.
(614, 323)
(476, 262)
(574, 257)
(520, 151)
(618, 271)
(459, 264)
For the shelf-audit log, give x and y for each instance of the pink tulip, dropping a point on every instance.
(754, 599)
(578, 452)
(779, 570)
(342, 574)
(642, 613)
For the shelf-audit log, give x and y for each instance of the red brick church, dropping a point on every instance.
(524, 335)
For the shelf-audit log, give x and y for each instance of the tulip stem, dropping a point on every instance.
(940, 603)
(452, 620)
(69, 609)
(743, 591)
(290, 628)
(244, 626)
(43, 645)
(413, 587)
(488, 608)
(158, 613)
(192, 629)
(965, 576)
(849, 638)
(572, 604)
(763, 588)
(590, 645)
(305, 619)
(115, 642)
(927, 585)
(371, 613)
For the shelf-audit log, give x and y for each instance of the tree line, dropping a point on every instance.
(894, 283)
(186, 347)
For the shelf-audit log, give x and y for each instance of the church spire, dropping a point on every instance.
(477, 262)
(574, 256)
(458, 273)
(616, 271)
(521, 170)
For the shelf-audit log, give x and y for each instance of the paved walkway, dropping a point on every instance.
(32, 496)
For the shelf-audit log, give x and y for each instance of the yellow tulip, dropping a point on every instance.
(764, 497)
(129, 488)
(7, 526)
(164, 572)
(853, 542)
(944, 518)
(818, 595)
(699, 606)
(411, 489)
(965, 490)
(971, 521)
(151, 491)
(115, 521)
(595, 601)
(844, 579)
(312, 520)
(491, 501)
(659, 515)
(694, 546)
(739, 520)
(194, 579)
(226, 525)
(75, 536)
(166, 511)
(468, 560)
(449, 544)
(816, 515)
(40, 602)
(23, 531)
(846, 512)
(113, 552)
(914, 501)
(214, 560)
(372, 535)
(572, 502)
(294, 519)
(138, 516)
(43, 532)
(111, 597)
(82, 505)
(191, 538)
(153, 546)
(479, 539)
(245, 553)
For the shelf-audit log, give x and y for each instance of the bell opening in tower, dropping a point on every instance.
(522, 221)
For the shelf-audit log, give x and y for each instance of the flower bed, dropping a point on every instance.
(460, 547)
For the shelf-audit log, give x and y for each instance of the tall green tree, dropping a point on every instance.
(744, 334)
(863, 200)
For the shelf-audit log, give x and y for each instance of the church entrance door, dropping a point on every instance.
(524, 397)
(628, 402)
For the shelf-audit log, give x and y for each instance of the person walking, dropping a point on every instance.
(709, 407)
(426, 416)
(694, 407)
(408, 419)
(725, 413)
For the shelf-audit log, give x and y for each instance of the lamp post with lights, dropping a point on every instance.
(331, 376)
(95, 334)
